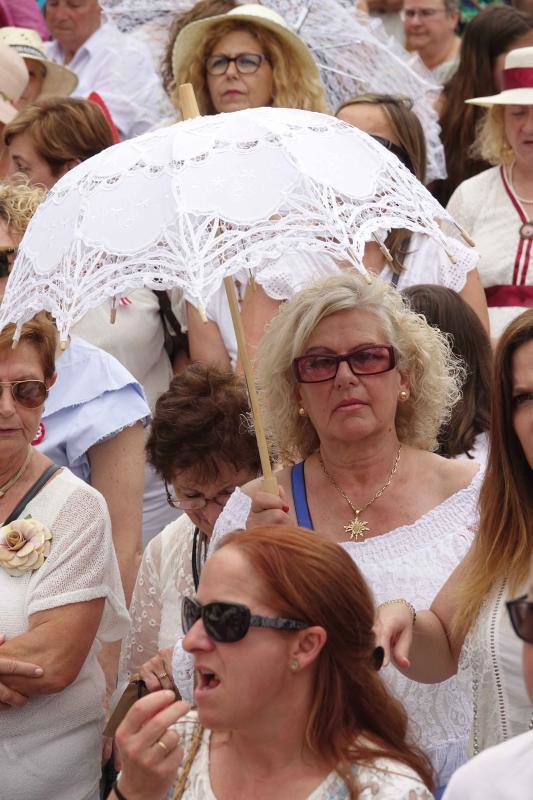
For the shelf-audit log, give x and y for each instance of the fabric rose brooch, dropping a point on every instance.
(24, 544)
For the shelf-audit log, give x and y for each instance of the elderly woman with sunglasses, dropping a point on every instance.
(467, 628)
(355, 388)
(288, 700)
(60, 591)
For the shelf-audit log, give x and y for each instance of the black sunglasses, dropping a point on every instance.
(7, 256)
(521, 614)
(366, 360)
(399, 151)
(230, 622)
(30, 393)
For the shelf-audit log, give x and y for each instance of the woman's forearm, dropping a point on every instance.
(432, 657)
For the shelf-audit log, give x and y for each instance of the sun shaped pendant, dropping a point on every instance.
(356, 529)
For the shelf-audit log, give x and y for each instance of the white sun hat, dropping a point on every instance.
(517, 81)
(14, 78)
(189, 41)
(59, 81)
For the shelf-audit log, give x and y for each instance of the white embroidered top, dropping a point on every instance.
(384, 780)
(51, 748)
(413, 561)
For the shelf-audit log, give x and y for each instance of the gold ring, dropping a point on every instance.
(162, 745)
(163, 675)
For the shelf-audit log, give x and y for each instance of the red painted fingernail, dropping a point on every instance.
(285, 509)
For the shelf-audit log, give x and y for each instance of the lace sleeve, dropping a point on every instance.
(142, 639)
(461, 210)
(233, 517)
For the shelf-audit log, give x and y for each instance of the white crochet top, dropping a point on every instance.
(413, 561)
(384, 780)
(51, 748)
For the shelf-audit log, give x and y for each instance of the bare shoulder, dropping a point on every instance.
(451, 475)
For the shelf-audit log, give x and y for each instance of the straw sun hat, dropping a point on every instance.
(189, 41)
(59, 81)
(517, 81)
(13, 80)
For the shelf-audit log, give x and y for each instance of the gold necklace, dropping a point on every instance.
(358, 527)
(18, 474)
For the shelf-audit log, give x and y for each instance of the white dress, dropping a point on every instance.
(483, 206)
(490, 666)
(413, 561)
(385, 780)
(51, 748)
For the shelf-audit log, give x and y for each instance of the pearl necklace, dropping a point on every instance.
(18, 474)
(511, 182)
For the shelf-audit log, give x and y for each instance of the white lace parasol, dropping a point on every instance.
(188, 205)
(354, 52)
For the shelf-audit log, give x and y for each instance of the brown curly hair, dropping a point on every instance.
(200, 423)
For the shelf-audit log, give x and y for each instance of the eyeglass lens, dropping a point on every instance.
(521, 613)
(29, 394)
(7, 257)
(246, 63)
(365, 361)
(223, 622)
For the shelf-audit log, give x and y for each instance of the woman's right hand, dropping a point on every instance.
(157, 672)
(268, 509)
(394, 633)
(150, 754)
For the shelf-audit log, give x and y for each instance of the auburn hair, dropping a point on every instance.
(353, 718)
(41, 333)
(502, 547)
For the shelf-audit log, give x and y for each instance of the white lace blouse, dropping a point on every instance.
(384, 780)
(413, 561)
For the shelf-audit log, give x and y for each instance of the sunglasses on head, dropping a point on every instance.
(230, 622)
(366, 360)
(521, 615)
(30, 393)
(7, 256)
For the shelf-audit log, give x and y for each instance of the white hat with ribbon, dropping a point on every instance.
(14, 78)
(58, 80)
(517, 81)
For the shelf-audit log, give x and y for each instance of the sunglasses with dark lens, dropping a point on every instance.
(521, 614)
(30, 393)
(230, 622)
(367, 360)
(399, 151)
(7, 256)
(245, 63)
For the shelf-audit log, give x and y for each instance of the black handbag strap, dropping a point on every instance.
(168, 318)
(32, 491)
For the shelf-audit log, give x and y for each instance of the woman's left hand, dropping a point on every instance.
(157, 672)
(150, 754)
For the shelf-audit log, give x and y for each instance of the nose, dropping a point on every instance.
(345, 375)
(197, 640)
(232, 71)
(211, 512)
(7, 403)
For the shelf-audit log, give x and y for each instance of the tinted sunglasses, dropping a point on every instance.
(30, 394)
(399, 151)
(367, 360)
(521, 614)
(7, 256)
(230, 622)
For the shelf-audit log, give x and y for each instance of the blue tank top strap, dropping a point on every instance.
(299, 496)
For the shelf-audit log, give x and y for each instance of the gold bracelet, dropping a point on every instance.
(401, 600)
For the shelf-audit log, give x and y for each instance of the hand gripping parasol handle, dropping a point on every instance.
(189, 110)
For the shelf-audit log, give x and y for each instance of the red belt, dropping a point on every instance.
(509, 296)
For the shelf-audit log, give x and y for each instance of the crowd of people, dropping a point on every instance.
(170, 626)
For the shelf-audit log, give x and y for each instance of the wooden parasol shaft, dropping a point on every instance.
(190, 110)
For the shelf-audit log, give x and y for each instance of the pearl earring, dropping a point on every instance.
(403, 396)
(295, 665)
(301, 412)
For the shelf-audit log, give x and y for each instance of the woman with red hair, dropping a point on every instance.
(288, 699)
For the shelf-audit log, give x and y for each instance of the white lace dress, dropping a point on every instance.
(51, 748)
(413, 561)
(384, 780)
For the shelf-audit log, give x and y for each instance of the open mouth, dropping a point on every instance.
(206, 681)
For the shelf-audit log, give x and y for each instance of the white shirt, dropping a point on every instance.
(121, 70)
(504, 772)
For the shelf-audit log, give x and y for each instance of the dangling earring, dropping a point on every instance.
(295, 665)
(301, 412)
(403, 396)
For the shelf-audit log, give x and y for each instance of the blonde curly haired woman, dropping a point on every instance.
(355, 388)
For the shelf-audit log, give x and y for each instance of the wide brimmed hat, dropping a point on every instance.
(59, 81)
(14, 78)
(189, 41)
(517, 81)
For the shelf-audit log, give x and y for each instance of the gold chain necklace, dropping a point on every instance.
(18, 474)
(357, 527)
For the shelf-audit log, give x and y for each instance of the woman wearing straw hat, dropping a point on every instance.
(496, 206)
(46, 78)
(247, 58)
(13, 81)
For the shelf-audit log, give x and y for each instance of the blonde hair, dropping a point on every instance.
(491, 143)
(435, 374)
(18, 204)
(293, 87)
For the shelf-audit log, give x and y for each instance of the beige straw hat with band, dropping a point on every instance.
(517, 81)
(59, 81)
(189, 41)
(14, 78)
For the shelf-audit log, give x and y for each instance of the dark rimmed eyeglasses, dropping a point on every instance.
(230, 622)
(366, 360)
(521, 615)
(30, 393)
(7, 256)
(245, 63)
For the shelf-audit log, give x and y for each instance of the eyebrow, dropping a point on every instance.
(328, 351)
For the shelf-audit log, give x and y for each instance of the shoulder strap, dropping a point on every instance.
(168, 318)
(299, 495)
(32, 491)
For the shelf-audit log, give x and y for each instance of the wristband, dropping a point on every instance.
(118, 792)
(401, 600)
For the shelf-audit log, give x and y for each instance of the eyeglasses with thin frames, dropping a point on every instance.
(29, 393)
(423, 13)
(365, 360)
(245, 63)
(196, 503)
